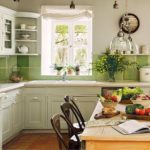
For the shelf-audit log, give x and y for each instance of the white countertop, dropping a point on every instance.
(49, 83)
(4, 87)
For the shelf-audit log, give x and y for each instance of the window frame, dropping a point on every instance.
(51, 71)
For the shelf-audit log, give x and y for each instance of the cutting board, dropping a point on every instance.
(101, 115)
(138, 117)
(126, 101)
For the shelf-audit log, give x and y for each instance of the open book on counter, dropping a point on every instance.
(132, 127)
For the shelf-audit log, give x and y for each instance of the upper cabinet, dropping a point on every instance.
(26, 33)
(7, 34)
(19, 32)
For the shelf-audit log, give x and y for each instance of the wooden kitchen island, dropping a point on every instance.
(107, 138)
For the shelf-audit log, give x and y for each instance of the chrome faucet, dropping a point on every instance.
(64, 76)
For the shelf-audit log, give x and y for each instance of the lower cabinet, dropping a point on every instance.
(54, 108)
(17, 112)
(85, 103)
(35, 111)
(6, 121)
(12, 114)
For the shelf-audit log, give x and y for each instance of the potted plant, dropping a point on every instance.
(58, 68)
(111, 63)
(77, 69)
(70, 69)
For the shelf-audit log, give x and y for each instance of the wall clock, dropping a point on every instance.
(129, 22)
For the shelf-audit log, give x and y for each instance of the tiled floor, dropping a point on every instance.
(30, 141)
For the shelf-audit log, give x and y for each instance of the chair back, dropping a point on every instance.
(72, 100)
(64, 144)
(68, 109)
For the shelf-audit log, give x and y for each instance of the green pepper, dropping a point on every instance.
(130, 109)
(139, 106)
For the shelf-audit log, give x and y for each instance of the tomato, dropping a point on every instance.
(137, 110)
(147, 111)
(114, 98)
(140, 111)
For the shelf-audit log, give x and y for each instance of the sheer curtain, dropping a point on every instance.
(64, 12)
(50, 13)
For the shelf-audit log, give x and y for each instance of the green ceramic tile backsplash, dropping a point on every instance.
(6, 65)
(30, 68)
(143, 60)
(23, 61)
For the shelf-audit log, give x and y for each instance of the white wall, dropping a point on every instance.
(9, 3)
(106, 21)
(105, 25)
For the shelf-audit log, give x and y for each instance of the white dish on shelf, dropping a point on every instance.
(31, 27)
(25, 36)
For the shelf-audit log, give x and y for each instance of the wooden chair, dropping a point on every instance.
(71, 99)
(69, 110)
(72, 143)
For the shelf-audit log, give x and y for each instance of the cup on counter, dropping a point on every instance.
(23, 26)
(145, 49)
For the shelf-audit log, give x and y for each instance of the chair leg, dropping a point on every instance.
(83, 146)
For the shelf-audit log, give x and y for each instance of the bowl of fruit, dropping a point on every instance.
(110, 100)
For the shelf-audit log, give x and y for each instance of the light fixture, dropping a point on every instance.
(115, 5)
(72, 5)
(121, 43)
(16, 0)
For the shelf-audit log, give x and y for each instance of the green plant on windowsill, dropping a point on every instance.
(70, 69)
(58, 68)
(77, 69)
(111, 63)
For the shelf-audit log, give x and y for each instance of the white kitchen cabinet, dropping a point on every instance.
(17, 112)
(54, 108)
(7, 32)
(27, 24)
(1, 97)
(42, 103)
(35, 111)
(12, 114)
(86, 103)
(6, 119)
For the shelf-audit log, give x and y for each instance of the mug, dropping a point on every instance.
(145, 49)
(23, 26)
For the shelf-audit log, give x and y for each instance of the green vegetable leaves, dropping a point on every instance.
(128, 93)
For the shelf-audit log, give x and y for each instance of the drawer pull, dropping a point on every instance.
(35, 98)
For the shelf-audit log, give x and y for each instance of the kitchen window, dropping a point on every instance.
(66, 43)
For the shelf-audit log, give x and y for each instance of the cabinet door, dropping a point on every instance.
(54, 108)
(35, 111)
(17, 111)
(6, 121)
(8, 35)
(86, 106)
(1, 36)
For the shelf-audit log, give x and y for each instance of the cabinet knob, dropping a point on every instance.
(35, 98)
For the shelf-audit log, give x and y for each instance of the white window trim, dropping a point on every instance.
(46, 70)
